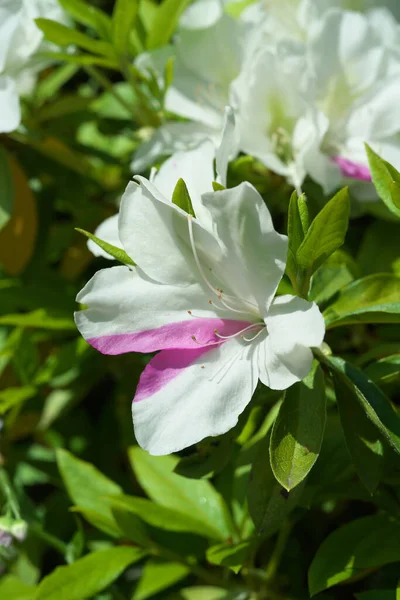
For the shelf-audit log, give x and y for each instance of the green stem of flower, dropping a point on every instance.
(108, 86)
(37, 530)
(276, 557)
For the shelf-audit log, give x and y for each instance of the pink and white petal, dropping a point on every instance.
(293, 322)
(155, 233)
(127, 312)
(254, 253)
(280, 371)
(108, 232)
(183, 397)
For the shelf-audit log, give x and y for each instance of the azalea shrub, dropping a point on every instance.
(200, 299)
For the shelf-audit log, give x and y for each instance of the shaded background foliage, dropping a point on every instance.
(66, 435)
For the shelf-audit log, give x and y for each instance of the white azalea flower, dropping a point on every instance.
(197, 181)
(358, 92)
(203, 295)
(210, 51)
(20, 40)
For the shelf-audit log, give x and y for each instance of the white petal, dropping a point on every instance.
(170, 138)
(155, 233)
(195, 167)
(228, 146)
(10, 15)
(10, 112)
(255, 254)
(180, 405)
(108, 232)
(280, 371)
(292, 322)
(201, 14)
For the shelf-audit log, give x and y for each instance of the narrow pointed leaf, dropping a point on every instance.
(117, 253)
(123, 21)
(326, 233)
(386, 180)
(181, 197)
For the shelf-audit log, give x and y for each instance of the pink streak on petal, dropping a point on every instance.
(163, 368)
(351, 169)
(174, 335)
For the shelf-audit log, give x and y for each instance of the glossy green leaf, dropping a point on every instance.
(164, 22)
(228, 555)
(131, 526)
(298, 430)
(123, 21)
(377, 595)
(297, 228)
(363, 439)
(269, 502)
(373, 299)
(12, 588)
(87, 576)
(7, 189)
(326, 233)
(89, 15)
(88, 489)
(158, 576)
(117, 253)
(64, 36)
(373, 401)
(181, 198)
(365, 543)
(386, 180)
(188, 496)
(163, 517)
(385, 236)
(385, 371)
(337, 271)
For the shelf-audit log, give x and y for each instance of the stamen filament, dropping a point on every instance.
(239, 333)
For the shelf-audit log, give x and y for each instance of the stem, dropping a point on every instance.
(107, 85)
(9, 493)
(57, 544)
(277, 553)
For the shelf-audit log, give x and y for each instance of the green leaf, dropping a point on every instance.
(228, 555)
(12, 588)
(211, 593)
(181, 198)
(88, 575)
(163, 517)
(82, 59)
(131, 526)
(385, 236)
(188, 496)
(88, 489)
(157, 576)
(165, 22)
(363, 544)
(89, 15)
(375, 404)
(15, 396)
(117, 253)
(362, 437)
(385, 371)
(337, 271)
(269, 502)
(372, 299)
(386, 180)
(218, 187)
(50, 85)
(123, 20)
(326, 233)
(7, 189)
(64, 36)
(40, 318)
(298, 431)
